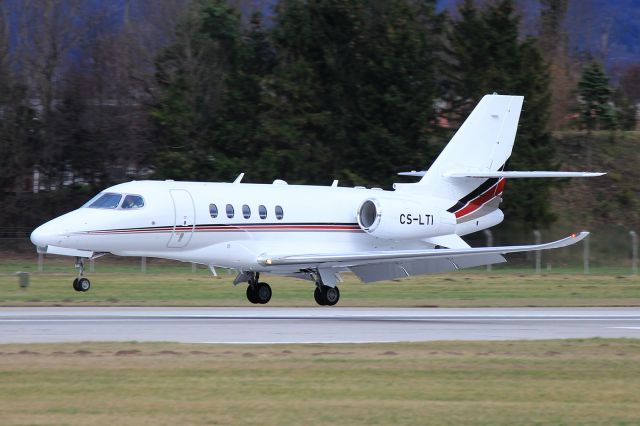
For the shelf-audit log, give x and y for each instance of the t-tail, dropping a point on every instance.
(469, 173)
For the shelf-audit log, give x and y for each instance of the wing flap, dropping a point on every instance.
(391, 270)
(363, 258)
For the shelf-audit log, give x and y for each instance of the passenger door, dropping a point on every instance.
(184, 218)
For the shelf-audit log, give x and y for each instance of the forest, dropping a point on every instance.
(302, 90)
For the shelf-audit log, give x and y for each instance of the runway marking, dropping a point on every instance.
(307, 342)
(325, 318)
(627, 328)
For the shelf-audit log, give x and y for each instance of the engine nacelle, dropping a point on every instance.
(396, 219)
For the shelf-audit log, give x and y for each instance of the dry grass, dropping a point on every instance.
(492, 383)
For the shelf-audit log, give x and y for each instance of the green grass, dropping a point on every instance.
(119, 282)
(485, 383)
(201, 289)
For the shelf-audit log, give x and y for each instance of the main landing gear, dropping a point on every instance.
(257, 292)
(260, 292)
(325, 295)
(81, 283)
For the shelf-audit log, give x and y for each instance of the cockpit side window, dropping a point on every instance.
(108, 200)
(133, 202)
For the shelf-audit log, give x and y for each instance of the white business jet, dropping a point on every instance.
(314, 232)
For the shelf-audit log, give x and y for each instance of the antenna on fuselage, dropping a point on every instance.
(334, 184)
(239, 178)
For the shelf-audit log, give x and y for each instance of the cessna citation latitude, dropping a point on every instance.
(314, 232)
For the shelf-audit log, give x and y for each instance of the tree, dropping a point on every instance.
(191, 74)
(236, 125)
(352, 94)
(19, 141)
(18, 129)
(630, 83)
(48, 31)
(485, 56)
(553, 41)
(351, 77)
(595, 105)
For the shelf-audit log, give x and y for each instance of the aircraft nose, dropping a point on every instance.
(43, 235)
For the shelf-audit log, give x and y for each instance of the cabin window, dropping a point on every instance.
(213, 210)
(107, 200)
(279, 213)
(246, 211)
(230, 211)
(262, 210)
(132, 202)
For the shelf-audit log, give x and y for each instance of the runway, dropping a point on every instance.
(311, 325)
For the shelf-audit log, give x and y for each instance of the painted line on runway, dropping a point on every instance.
(324, 318)
(309, 342)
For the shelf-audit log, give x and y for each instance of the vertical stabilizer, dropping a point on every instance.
(483, 143)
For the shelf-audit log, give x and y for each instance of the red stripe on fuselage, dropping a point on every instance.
(232, 228)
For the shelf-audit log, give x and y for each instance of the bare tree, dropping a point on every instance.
(564, 71)
(49, 33)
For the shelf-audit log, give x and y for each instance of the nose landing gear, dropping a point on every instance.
(81, 283)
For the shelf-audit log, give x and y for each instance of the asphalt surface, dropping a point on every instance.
(311, 325)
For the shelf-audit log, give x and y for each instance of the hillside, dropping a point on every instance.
(608, 206)
(611, 200)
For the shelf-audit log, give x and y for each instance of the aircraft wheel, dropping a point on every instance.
(317, 295)
(263, 293)
(83, 284)
(252, 295)
(331, 295)
(75, 285)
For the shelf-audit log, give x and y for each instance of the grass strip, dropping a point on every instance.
(595, 381)
(444, 290)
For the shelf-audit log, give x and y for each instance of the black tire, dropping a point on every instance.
(75, 285)
(317, 295)
(331, 295)
(252, 294)
(263, 293)
(83, 284)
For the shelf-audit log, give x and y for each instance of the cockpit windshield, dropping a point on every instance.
(132, 202)
(111, 200)
(108, 200)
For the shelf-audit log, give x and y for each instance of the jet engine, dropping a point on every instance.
(396, 219)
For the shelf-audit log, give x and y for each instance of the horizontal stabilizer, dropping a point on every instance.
(518, 175)
(510, 175)
(363, 258)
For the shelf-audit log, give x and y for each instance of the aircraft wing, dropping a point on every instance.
(375, 257)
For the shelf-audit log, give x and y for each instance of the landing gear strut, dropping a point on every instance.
(258, 292)
(81, 283)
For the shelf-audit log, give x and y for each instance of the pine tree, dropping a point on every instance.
(352, 94)
(235, 142)
(595, 104)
